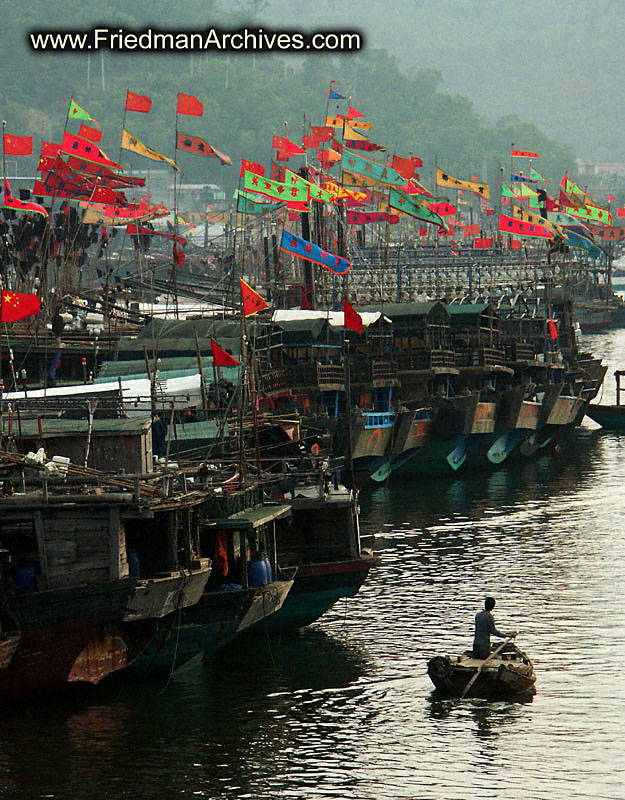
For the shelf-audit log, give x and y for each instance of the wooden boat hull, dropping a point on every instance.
(316, 588)
(609, 417)
(510, 674)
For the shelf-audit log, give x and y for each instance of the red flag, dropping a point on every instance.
(87, 132)
(252, 301)
(352, 318)
(139, 102)
(221, 358)
(553, 332)
(86, 150)
(178, 256)
(14, 306)
(187, 104)
(521, 228)
(49, 149)
(353, 114)
(482, 244)
(620, 212)
(471, 230)
(277, 172)
(193, 144)
(523, 154)
(8, 201)
(515, 244)
(305, 303)
(138, 230)
(17, 145)
(286, 147)
(252, 166)
(406, 166)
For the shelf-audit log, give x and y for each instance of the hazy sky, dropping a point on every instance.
(552, 63)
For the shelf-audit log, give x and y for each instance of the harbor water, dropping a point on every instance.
(344, 708)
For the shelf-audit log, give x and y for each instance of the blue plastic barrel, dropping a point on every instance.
(257, 570)
(26, 578)
(269, 570)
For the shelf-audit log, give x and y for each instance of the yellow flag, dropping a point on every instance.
(351, 133)
(130, 142)
(334, 122)
(444, 179)
(536, 219)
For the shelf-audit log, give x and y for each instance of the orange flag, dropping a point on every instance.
(252, 301)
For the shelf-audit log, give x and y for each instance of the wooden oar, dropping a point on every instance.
(481, 667)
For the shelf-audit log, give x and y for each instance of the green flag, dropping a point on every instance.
(404, 202)
(76, 112)
(274, 189)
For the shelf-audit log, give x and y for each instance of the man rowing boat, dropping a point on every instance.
(484, 628)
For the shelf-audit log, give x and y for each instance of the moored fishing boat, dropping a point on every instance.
(508, 672)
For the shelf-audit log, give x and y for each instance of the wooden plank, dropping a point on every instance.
(114, 544)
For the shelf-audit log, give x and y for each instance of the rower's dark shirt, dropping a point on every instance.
(484, 627)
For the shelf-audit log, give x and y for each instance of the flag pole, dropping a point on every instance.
(174, 266)
(124, 128)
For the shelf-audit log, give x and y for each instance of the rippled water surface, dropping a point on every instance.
(345, 709)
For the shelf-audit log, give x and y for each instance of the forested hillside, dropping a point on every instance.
(248, 98)
(552, 63)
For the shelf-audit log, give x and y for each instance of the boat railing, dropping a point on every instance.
(331, 377)
(384, 373)
(424, 359)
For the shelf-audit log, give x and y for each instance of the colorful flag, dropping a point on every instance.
(358, 125)
(8, 201)
(362, 145)
(530, 216)
(14, 306)
(130, 142)
(334, 95)
(275, 189)
(535, 176)
(252, 301)
(314, 192)
(378, 173)
(444, 179)
(403, 202)
(608, 234)
(291, 243)
(351, 318)
(188, 104)
(138, 102)
(523, 154)
(193, 144)
(76, 112)
(221, 357)
(93, 134)
(248, 204)
(519, 228)
(335, 122)
(17, 145)
(589, 212)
